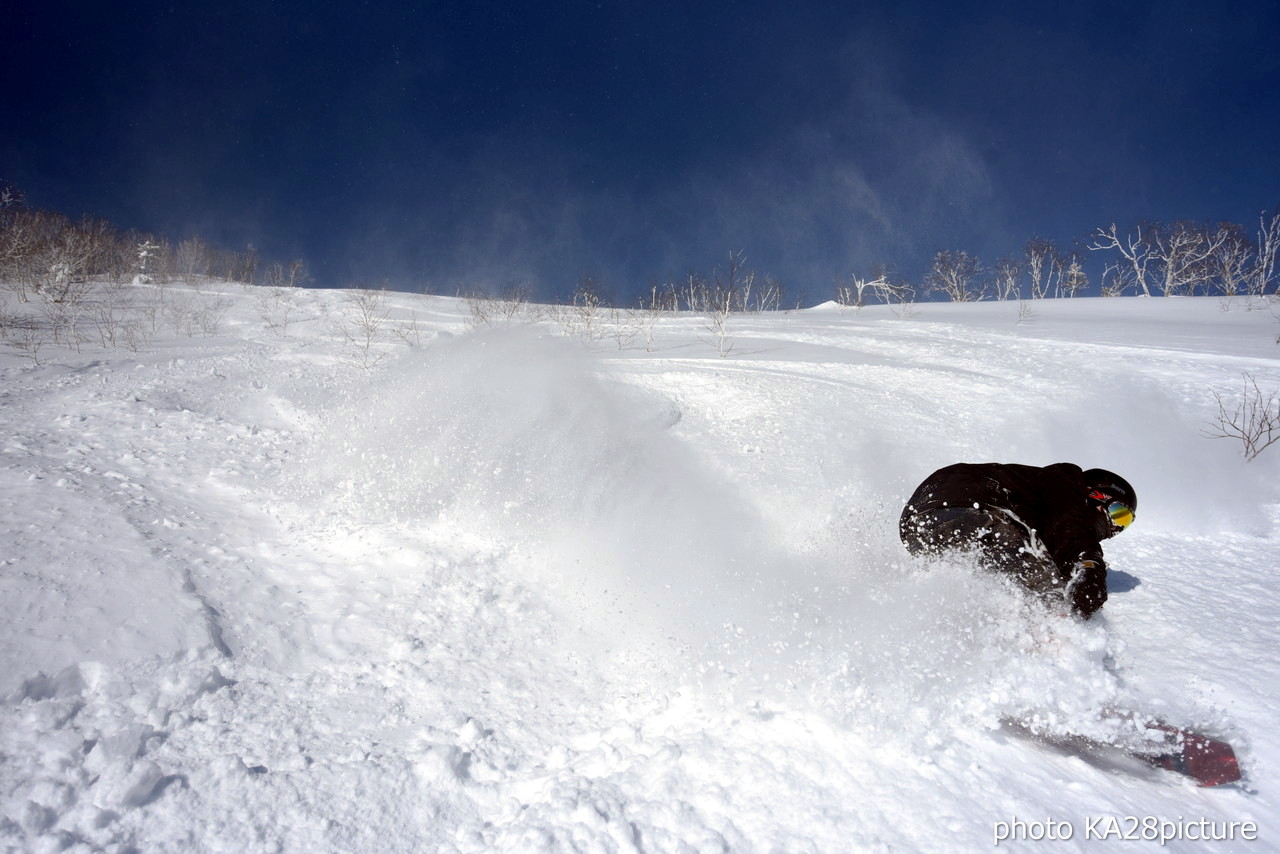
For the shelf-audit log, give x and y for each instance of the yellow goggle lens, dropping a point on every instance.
(1121, 514)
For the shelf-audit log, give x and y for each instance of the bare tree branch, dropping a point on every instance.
(1254, 421)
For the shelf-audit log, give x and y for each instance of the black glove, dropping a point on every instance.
(1087, 589)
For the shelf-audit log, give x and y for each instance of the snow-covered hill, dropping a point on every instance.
(508, 591)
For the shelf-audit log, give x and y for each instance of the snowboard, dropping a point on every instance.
(1207, 761)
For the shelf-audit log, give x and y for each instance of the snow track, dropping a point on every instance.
(509, 593)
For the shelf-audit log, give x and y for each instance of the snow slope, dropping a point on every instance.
(507, 591)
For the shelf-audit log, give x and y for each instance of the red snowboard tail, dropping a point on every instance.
(1207, 761)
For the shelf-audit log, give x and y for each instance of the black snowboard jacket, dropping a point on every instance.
(1050, 503)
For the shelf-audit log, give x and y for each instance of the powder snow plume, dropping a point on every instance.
(514, 439)
(511, 438)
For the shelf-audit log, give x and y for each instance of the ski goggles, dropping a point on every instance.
(1121, 514)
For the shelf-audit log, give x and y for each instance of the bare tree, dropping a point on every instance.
(275, 306)
(511, 306)
(480, 309)
(190, 311)
(59, 267)
(646, 320)
(745, 288)
(26, 336)
(1005, 274)
(192, 259)
(36, 233)
(64, 314)
(1266, 254)
(230, 265)
(890, 288)
(18, 241)
(100, 244)
(1231, 260)
(297, 274)
(768, 294)
(1133, 270)
(1073, 278)
(717, 323)
(179, 310)
(361, 327)
(735, 280)
(281, 276)
(623, 326)
(248, 268)
(661, 298)
(851, 292)
(584, 315)
(118, 262)
(1042, 265)
(515, 304)
(953, 274)
(1179, 253)
(212, 310)
(695, 292)
(112, 312)
(411, 332)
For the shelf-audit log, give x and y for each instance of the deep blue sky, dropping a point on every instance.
(488, 143)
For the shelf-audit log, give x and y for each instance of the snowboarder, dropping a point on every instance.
(1044, 526)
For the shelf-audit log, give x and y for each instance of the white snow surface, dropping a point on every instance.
(507, 591)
